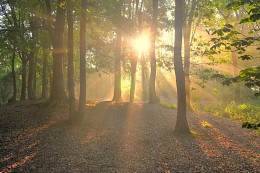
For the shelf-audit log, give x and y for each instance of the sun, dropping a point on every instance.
(141, 44)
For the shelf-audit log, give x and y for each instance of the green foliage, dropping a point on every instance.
(169, 105)
(250, 125)
(243, 111)
(227, 37)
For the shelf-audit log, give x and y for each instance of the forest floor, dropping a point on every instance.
(118, 137)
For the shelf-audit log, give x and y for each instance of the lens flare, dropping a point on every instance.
(141, 44)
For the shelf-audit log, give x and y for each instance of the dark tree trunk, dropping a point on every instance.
(70, 64)
(31, 94)
(83, 87)
(134, 57)
(23, 90)
(152, 94)
(117, 85)
(49, 20)
(32, 62)
(181, 123)
(118, 54)
(13, 77)
(58, 95)
(44, 72)
(35, 79)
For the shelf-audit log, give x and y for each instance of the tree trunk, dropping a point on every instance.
(58, 95)
(134, 57)
(31, 94)
(23, 90)
(144, 78)
(187, 32)
(44, 72)
(13, 77)
(117, 85)
(181, 123)
(152, 94)
(235, 71)
(118, 54)
(70, 64)
(187, 50)
(83, 87)
(32, 62)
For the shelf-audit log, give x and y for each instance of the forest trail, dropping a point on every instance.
(118, 137)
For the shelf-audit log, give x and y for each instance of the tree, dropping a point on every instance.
(189, 14)
(118, 54)
(181, 123)
(152, 94)
(14, 76)
(70, 60)
(82, 98)
(58, 95)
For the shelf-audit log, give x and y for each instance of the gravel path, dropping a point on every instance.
(124, 139)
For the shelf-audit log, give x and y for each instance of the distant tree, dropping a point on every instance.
(152, 94)
(188, 20)
(83, 88)
(70, 55)
(181, 123)
(118, 55)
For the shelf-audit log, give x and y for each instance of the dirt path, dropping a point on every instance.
(122, 138)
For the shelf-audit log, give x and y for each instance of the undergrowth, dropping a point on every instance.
(169, 105)
(249, 112)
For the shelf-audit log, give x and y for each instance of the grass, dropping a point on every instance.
(169, 105)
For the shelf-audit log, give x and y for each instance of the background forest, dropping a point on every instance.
(124, 50)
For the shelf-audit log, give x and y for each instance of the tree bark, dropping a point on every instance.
(83, 87)
(70, 64)
(14, 77)
(31, 94)
(187, 33)
(144, 78)
(44, 72)
(152, 93)
(134, 57)
(32, 62)
(23, 90)
(181, 126)
(118, 54)
(58, 95)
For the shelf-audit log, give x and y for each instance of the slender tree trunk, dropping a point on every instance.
(118, 54)
(187, 31)
(31, 94)
(117, 85)
(235, 71)
(35, 79)
(23, 90)
(58, 95)
(187, 50)
(71, 64)
(134, 57)
(83, 87)
(144, 78)
(181, 123)
(152, 94)
(13, 77)
(44, 72)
